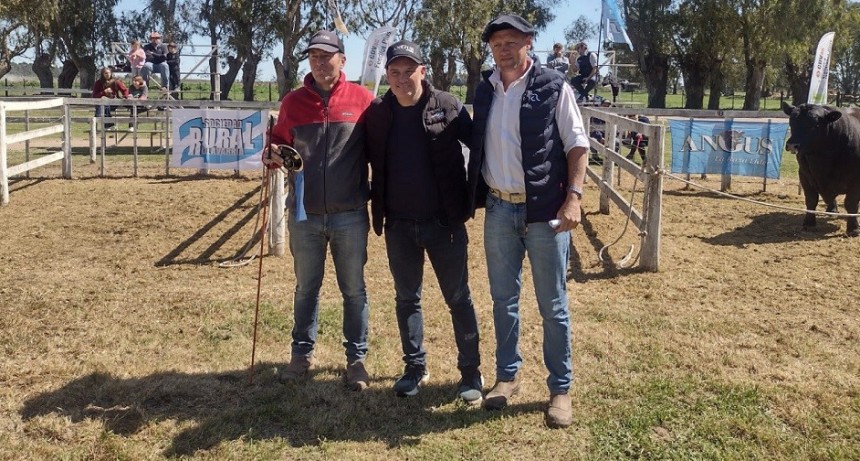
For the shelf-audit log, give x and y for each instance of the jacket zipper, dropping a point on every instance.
(326, 154)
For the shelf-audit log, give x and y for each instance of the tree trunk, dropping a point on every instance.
(694, 88)
(473, 77)
(5, 67)
(87, 68)
(655, 68)
(234, 65)
(798, 80)
(755, 80)
(249, 76)
(42, 68)
(717, 82)
(444, 68)
(67, 75)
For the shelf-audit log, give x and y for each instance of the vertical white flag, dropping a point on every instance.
(820, 71)
(374, 56)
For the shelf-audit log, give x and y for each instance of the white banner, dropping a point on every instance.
(374, 57)
(227, 139)
(821, 70)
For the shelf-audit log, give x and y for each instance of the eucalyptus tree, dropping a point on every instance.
(579, 30)
(846, 56)
(650, 25)
(84, 29)
(702, 39)
(18, 19)
(301, 18)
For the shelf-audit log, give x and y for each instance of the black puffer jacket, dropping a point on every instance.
(446, 123)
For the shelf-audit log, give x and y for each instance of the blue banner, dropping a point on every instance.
(218, 138)
(728, 147)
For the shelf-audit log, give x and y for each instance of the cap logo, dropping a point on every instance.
(325, 37)
(405, 47)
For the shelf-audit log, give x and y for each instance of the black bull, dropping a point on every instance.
(827, 143)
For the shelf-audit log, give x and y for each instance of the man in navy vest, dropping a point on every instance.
(527, 166)
(586, 68)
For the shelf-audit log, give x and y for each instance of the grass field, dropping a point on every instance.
(123, 338)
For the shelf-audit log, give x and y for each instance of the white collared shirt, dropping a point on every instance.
(503, 159)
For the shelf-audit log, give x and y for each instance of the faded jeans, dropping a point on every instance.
(406, 241)
(507, 239)
(346, 234)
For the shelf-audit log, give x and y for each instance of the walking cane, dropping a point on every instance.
(265, 207)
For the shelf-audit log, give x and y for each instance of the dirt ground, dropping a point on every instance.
(110, 289)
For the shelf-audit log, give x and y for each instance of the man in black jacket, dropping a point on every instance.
(419, 191)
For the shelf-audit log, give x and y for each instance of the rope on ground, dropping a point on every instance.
(242, 259)
(758, 202)
(625, 261)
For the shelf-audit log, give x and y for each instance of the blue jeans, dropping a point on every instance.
(161, 68)
(346, 233)
(406, 241)
(506, 241)
(107, 113)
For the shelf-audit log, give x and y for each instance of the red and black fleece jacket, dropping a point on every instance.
(330, 139)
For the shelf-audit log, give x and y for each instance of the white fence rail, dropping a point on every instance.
(647, 219)
(7, 139)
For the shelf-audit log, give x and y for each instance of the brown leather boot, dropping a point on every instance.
(298, 368)
(501, 393)
(357, 378)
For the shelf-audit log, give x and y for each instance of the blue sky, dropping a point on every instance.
(567, 12)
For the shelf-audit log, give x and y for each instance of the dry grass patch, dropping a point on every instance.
(123, 339)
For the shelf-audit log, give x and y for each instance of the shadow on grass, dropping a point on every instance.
(173, 257)
(778, 227)
(609, 267)
(224, 407)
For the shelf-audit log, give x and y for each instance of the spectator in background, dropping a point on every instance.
(108, 87)
(556, 60)
(638, 141)
(173, 65)
(139, 91)
(156, 60)
(612, 81)
(586, 71)
(136, 58)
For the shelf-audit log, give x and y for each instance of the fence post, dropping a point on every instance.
(67, 141)
(4, 176)
(610, 137)
(653, 212)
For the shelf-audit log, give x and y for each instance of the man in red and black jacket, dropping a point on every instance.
(323, 121)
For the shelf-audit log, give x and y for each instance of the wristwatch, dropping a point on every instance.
(574, 189)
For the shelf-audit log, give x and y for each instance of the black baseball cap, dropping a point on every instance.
(507, 21)
(325, 40)
(403, 49)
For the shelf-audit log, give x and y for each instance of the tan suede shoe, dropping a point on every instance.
(559, 414)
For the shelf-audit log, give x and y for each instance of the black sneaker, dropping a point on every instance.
(413, 376)
(470, 388)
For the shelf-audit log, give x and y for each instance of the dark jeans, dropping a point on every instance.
(406, 241)
(582, 86)
(107, 113)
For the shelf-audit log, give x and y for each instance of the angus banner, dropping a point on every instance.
(228, 139)
(728, 147)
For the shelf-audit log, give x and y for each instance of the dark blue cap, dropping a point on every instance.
(507, 21)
